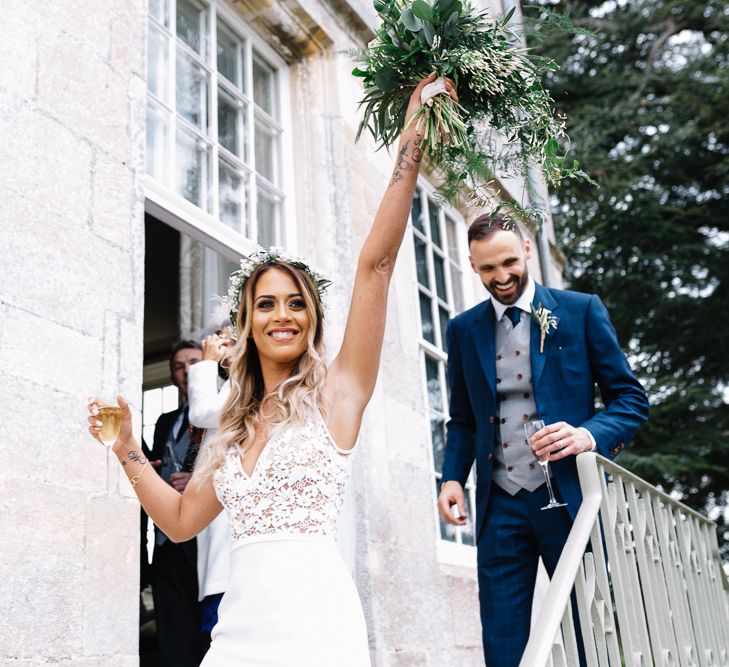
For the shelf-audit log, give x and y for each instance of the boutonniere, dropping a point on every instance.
(545, 320)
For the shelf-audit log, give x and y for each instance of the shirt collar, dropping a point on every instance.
(524, 302)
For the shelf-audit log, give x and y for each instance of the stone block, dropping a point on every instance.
(110, 576)
(41, 567)
(47, 431)
(114, 199)
(128, 23)
(18, 54)
(86, 25)
(96, 106)
(74, 275)
(50, 166)
(70, 362)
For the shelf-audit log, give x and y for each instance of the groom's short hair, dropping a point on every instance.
(488, 224)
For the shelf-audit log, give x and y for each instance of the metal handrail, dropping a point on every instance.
(646, 593)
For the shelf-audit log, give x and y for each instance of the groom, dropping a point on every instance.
(504, 370)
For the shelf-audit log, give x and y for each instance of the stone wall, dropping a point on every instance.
(71, 296)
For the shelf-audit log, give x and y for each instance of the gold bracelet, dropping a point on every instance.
(134, 479)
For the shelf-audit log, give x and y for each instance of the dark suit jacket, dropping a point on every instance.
(582, 352)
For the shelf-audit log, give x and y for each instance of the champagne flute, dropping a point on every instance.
(530, 428)
(110, 418)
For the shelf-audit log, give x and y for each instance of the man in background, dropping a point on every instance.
(174, 566)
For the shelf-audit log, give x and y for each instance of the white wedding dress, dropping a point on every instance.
(290, 601)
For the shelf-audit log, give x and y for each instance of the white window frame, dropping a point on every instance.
(447, 552)
(161, 199)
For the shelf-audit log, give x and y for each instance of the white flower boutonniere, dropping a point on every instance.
(545, 320)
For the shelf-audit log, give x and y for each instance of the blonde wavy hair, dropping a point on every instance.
(294, 400)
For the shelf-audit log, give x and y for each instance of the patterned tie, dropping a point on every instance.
(514, 314)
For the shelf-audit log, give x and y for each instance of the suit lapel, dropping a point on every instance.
(543, 297)
(483, 334)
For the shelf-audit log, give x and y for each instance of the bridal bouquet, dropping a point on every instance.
(505, 119)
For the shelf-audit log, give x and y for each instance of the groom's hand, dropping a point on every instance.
(559, 440)
(451, 493)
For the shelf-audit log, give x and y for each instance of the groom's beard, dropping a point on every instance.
(509, 299)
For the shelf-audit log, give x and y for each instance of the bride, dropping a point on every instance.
(281, 457)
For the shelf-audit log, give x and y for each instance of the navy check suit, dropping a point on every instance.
(511, 532)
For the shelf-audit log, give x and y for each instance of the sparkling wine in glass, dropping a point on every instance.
(530, 428)
(110, 417)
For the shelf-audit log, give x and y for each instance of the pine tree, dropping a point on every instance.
(645, 88)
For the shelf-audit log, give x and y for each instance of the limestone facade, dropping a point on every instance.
(74, 192)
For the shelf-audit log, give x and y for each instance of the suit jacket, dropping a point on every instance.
(162, 429)
(582, 352)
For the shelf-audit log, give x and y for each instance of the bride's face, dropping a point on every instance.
(280, 321)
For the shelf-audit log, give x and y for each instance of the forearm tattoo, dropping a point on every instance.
(136, 456)
(403, 164)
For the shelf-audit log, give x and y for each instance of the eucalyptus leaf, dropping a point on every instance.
(429, 33)
(410, 21)
(422, 10)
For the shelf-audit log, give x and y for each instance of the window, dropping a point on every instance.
(438, 240)
(214, 117)
(154, 403)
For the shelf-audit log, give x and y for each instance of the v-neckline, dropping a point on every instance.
(239, 459)
(261, 454)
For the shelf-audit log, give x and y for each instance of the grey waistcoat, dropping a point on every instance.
(514, 465)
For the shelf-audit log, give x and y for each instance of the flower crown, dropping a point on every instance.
(266, 256)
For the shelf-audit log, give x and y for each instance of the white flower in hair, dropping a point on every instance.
(266, 256)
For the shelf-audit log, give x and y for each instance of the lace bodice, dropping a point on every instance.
(297, 485)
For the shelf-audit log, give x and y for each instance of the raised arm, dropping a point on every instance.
(180, 517)
(205, 400)
(353, 374)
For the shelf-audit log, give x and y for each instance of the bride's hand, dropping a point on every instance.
(125, 431)
(415, 103)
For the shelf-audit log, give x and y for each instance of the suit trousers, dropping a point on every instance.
(176, 607)
(517, 532)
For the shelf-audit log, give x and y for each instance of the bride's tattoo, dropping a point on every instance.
(402, 164)
(136, 456)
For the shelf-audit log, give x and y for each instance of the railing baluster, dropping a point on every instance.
(652, 592)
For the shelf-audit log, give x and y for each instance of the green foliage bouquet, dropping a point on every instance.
(499, 89)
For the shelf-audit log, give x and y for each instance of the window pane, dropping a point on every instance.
(440, 285)
(443, 317)
(191, 25)
(447, 531)
(434, 223)
(160, 10)
(435, 400)
(452, 236)
(192, 91)
(228, 64)
(231, 120)
(263, 86)
(233, 199)
(468, 534)
(157, 62)
(267, 217)
(193, 169)
(265, 146)
(417, 212)
(157, 138)
(457, 287)
(426, 319)
(437, 436)
(421, 263)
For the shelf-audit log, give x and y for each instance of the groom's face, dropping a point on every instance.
(500, 261)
